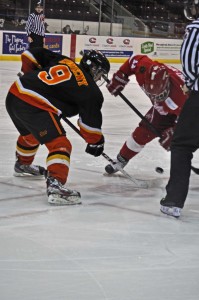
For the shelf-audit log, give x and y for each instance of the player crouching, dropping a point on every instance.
(54, 85)
(162, 84)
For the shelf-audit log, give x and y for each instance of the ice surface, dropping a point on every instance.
(116, 245)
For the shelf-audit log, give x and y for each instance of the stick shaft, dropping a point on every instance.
(152, 128)
(138, 183)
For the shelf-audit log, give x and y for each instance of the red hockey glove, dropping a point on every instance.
(117, 83)
(165, 140)
(96, 149)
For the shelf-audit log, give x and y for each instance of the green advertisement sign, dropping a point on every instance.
(147, 47)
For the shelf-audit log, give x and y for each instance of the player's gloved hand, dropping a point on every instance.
(96, 149)
(165, 140)
(117, 83)
(185, 89)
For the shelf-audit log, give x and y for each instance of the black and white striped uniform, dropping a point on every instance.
(35, 29)
(190, 55)
(186, 137)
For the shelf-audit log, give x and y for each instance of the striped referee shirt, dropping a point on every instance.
(35, 24)
(189, 55)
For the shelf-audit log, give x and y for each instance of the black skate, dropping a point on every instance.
(58, 194)
(29, 170)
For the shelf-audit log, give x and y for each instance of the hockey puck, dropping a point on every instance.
(159, 170)
(109, 169)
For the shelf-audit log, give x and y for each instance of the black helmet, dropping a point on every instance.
(39, 5)
(191, 9)
(96, 64)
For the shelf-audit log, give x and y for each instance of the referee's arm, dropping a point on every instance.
(28, 25)
(189, 57)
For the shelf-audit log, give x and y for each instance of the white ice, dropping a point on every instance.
(116, 245)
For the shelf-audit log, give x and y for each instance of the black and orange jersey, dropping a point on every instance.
(38, 58)
(65, 88)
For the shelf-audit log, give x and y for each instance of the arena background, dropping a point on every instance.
(117, 28)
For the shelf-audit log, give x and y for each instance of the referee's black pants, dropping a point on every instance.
(185, 142)
(38, 41)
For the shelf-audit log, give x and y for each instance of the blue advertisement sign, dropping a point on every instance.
(54, 43)
(116, 53)
(16, 43)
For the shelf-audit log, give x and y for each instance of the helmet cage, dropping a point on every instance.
(98, 74)
(96, 63)
(161, 97)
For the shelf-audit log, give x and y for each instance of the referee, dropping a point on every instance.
(35, 27)
(186, 136)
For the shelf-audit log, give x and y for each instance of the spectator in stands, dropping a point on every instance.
(10, 24)
(67, 29)
(86, 29)
(35, 27)
(46, 27)
(21, 24)
(2, 24)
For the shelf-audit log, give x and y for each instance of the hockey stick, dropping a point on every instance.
(151, 127)
(138, 183)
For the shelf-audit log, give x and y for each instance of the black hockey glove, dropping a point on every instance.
(96, 149)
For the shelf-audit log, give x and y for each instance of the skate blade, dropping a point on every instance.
(57, 200)
(169, 212)
(27, 175)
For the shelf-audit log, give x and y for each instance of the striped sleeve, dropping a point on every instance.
(28, 24)
(190, 56)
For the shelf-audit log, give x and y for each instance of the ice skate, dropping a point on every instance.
(28, 170)
(117, 164)
(58, 194)
(169, 210)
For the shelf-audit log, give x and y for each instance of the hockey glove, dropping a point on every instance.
(117, 83)
(96, 149)
(165, 140)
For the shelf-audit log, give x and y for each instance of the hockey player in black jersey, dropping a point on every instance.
(54, 85)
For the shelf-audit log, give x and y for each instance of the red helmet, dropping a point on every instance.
(157, 83)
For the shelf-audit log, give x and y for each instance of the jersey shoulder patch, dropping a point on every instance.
(172, 105)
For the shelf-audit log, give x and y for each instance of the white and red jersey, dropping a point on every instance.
(137, 65)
